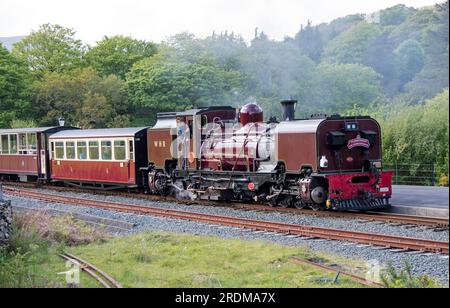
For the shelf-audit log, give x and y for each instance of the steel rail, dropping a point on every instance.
(339, 272)
(389, 241)
(432, 222)
(103, 278)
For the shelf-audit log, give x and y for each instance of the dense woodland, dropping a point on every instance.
(393, 65)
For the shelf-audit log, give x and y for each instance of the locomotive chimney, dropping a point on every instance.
(289, 109)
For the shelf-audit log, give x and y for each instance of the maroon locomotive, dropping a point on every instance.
(218, 153)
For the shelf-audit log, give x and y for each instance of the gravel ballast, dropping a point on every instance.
(307, 220)
(434, 265)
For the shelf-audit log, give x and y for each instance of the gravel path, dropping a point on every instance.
(326, 222)
(434, 265)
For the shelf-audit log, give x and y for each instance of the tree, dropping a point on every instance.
(116, 55)
(15, 83)
(52, 48)
(84, 99)
(410, 60)
(275, 71)
(159, 84)
(419, 134)
(340, 87)
(309, 40)
(352, 45)
(395, 15)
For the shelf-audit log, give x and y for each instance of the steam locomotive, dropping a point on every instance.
(215, 153)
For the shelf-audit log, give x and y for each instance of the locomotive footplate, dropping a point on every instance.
(361, 204)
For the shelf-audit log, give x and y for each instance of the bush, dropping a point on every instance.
(405, 279)
(36, 240)
(443, 181)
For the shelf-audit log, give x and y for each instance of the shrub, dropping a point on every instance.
(405, 279)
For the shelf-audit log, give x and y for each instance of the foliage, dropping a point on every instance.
(52, 48)
(17, 123)
(162, 84)
(419, 134)
(405, 279)
(116, 55)
(15, 83)
(31, 260)
(309, 40)
(83, 98)
(353, 45)
(339, 87)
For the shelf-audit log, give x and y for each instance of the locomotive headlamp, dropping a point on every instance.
(251, 186)
(61, 121)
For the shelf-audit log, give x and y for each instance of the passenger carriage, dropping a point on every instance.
(99, 158)
(24, 153)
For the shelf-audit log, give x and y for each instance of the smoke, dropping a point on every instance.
(182, 193)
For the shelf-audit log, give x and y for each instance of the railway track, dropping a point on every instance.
(383, 240)
(103, 278)
(431, 222)
(338, 272)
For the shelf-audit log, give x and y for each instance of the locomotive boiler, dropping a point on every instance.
(322, 162)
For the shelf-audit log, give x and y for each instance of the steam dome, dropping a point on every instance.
(251, 113)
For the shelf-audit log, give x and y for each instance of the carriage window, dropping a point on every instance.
(59, 150)
(23, 144)
(70, 150)
(13, 143)
(119, 150)
(5, 144)
(131, 145)
(32, 143)
(106, 150)
(93, 150)
(82, 150)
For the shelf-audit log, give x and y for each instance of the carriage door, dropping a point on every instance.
(43, 156)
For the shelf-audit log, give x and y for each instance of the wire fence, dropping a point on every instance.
(413, 174)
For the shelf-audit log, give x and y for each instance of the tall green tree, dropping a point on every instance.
(340, 87)
(352, 45)
(84, 98)
(50, 49)
(309, 40)
(15, 85)
(419, 134)
(157, 84)
(116, 55)
(410, 60)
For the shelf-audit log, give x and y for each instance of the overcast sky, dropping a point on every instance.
(158, 19)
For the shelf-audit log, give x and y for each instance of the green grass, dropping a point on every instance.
(158, 259)
(31, 260)
(171, 260)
